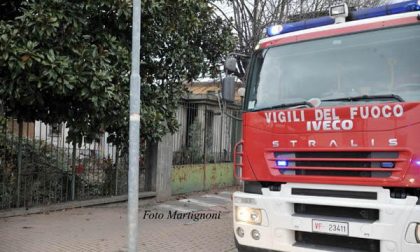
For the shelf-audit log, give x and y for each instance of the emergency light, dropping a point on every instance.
(341, 11)
(387, 164)
(274, 30)
(297, 26)
(281, 163)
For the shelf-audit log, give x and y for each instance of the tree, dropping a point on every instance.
(68, 61)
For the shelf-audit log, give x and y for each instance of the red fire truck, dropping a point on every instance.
(330, 156)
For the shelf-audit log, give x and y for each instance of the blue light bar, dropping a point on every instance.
(307, 24)
(282, 163)
(417, 162)
(297, 26)
(387, 164)
(388, 9)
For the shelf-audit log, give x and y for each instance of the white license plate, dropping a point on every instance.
(330, 227)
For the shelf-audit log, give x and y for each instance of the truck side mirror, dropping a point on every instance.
(230, 64)
(228, 88)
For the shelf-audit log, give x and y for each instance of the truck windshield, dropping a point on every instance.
(382, 62)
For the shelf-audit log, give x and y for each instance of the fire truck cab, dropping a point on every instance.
(330, 156)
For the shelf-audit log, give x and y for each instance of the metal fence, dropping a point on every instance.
(38, 167)
(207, 133)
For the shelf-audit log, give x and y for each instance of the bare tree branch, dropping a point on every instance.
(250, 17)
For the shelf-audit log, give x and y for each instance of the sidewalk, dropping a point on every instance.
(104, 228)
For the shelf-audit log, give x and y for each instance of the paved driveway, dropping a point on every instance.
(167, 226)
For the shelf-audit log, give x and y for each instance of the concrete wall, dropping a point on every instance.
(192, 178)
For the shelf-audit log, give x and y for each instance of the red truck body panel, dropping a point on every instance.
(344, 135)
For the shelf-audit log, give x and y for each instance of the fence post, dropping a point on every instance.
(205, 148)
(19, 162)
(150, 166)
(73, 170)
(117, 155)
(221, 133)
(3, 132)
